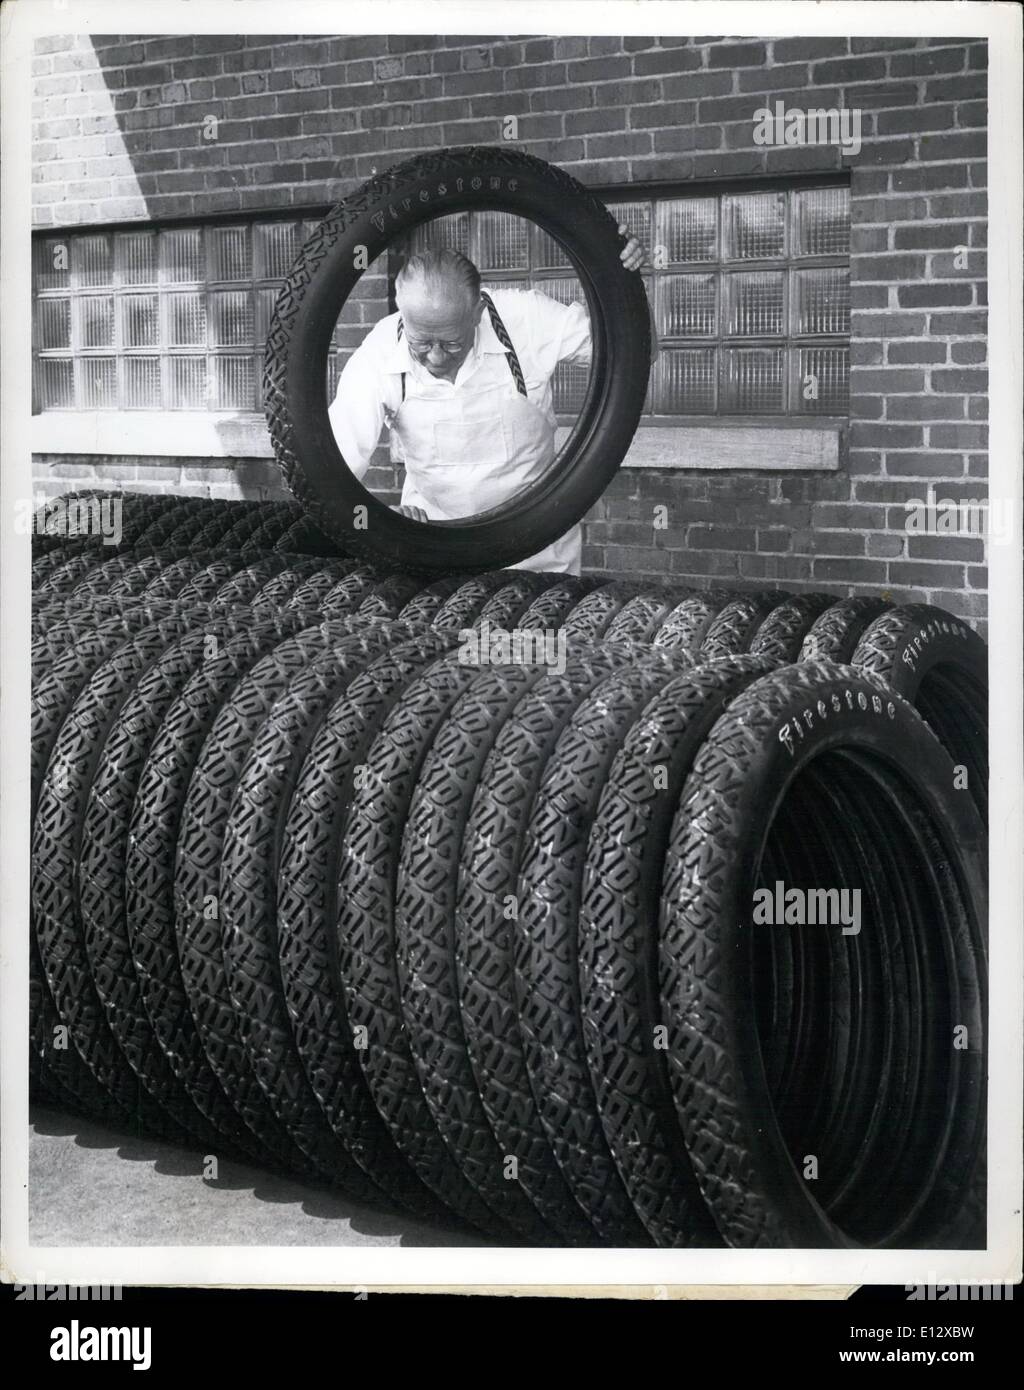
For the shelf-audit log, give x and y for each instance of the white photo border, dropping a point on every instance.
(382, 1268)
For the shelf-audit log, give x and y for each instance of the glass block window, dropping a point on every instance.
(750, 292)
(159, 318)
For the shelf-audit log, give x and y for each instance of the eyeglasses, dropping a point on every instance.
(422, 349)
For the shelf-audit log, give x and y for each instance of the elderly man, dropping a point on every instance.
(462, 377)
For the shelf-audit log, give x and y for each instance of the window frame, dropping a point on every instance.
(723, 269)
(119, 289)
(651, 192)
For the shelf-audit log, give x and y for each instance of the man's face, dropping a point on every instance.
(440, 329)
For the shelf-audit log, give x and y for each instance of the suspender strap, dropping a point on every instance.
(501, 333)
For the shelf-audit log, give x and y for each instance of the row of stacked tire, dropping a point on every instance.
(314, 889)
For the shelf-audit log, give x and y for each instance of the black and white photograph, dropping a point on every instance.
(512, 647)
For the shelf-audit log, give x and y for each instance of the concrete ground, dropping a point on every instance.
(89, 1185)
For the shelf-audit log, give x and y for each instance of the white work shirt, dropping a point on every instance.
(543, 333)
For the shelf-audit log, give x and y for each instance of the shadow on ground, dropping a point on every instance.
(89, 1185)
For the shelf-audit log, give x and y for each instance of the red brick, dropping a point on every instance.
(663, 114)
(864, 69)
(924, 178)
(888, 210)
(961, 324)
(676, 60)
(887, 436)
(601, 69)
(945, 547)
(924, 352)
(914, 119)
(845, 571)
(793, 50)
(927, 464)
(889, 267)
(958, 436)
(959, 379)
(924, 408)
(820, 542)
(736, 55)
(928, 64)
(968, 352)
(720, 538)
(927, 576)
(933, 296)
(695, 85)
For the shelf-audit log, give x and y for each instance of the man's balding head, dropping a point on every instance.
(438, 296)
(440, 277)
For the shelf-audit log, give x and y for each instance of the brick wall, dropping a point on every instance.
(119, 136)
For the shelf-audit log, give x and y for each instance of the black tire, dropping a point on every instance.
(304, 538)
(640, 619)
(205, 584)
(940, 665)
(348, 593)
(424, 605)
(170, 582)
(782, 633)
(618, 937)
(505, 606)
(186, 517)
(590, 619)
(55, 689)
(732, 629)
(197, 886)
(244, 585)
(137, 578)
(390, 597)
(321, 281)
(45, 561)
(149, 872)
(550, 608)
(685, 628)
(548, 891)
(315, 588)
(488, 867)
(61, 621)
(103, 859)
(464, 604)
(367, 868)
(834, 635)
(276, 592)
(712, 975)
(200, 842)
(223, 520)
(56, 843)
(65, 577)
(277, 518)
(307, 914)
(248, 525)
(425, 899)
(100, 580)
(248, 895)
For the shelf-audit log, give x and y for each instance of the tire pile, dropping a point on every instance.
(476, 941)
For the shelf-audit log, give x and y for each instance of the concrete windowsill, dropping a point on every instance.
(152, 433)
(779, 446)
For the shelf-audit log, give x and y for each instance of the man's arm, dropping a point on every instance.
(357, 411)
(573, 324)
